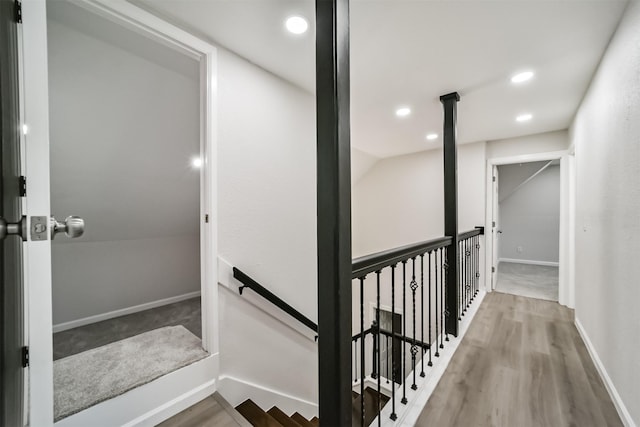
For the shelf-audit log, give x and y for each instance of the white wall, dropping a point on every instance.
(267, 223)
(530, 216)
(123, 128)
(531, 144)
(606, 135)
(401, 199)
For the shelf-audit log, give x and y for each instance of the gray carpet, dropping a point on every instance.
(533, 281)
(186, 313)
(93, 376)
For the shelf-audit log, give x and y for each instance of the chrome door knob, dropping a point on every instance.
(13, 228)
(73, 226)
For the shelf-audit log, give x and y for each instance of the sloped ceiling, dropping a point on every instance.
(409, 52)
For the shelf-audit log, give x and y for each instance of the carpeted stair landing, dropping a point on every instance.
(93, 376)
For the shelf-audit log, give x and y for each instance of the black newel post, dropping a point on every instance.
(449, 102)
(334, 212)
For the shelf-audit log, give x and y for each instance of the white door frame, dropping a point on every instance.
(153, 402)
(566, 283)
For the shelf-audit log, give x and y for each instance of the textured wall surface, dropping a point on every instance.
(606, 134)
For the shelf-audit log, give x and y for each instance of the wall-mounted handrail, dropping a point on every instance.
(375, 262)
(248, 282)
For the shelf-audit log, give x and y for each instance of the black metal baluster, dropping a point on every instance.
(469, 270)
(461, 275)
(442, 308)
(355, 360)
(362, 338)
(477, 264)
(436, 300)
(378, 330)
(464, 276)
(414, 347)
(393, 343)
(404, 332)
(387, 357)
(422, 349)
(429, 302)
(374, 337)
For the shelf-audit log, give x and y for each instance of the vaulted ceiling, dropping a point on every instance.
(409, 52)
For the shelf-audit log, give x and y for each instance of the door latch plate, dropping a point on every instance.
(39, 226)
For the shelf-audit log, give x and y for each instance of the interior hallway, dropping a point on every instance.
(522, 363)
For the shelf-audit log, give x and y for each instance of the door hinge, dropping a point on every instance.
(25, 357)
(493, 269)
(23, 186)
(18, 11)
(494, 179)
(493, 223)
(206, 218)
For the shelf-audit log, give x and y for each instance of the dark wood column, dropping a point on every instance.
(450, 102)
(334, 211)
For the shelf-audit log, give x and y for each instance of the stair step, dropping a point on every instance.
(370, 406)
(282, 418)
(255, 415)
(315, 422)
(301, 420)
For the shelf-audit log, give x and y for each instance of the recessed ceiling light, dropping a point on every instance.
(196, 162)
(296, 25)
(522, 77)
(524, 117)
(403, 111)
(432, 136)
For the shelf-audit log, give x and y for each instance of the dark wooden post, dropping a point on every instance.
(334, 211)
(449, 102)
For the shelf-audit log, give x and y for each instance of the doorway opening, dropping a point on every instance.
(125, 155)
(527, 228)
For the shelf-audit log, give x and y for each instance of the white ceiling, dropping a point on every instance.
(409, 52)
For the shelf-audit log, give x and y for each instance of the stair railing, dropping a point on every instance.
(406, 284)
(384, 282)
(248, 282)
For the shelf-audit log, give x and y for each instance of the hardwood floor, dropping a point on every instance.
(213, 411)
(522, 363)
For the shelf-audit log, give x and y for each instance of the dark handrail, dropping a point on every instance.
(379, 260)
(248, 282)
(475, 232)
(374, 262)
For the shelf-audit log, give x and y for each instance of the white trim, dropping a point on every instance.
(566, 284)
(38, 299)
(408, 414)
(122, 312)
(624, 414)
(236, 391)
(529, 261)
(226, 279)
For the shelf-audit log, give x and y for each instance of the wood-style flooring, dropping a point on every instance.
(213, 411)
(522, 363)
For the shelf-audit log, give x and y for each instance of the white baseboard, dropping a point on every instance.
(624, 414)
(122, 312)
(529, 261)
(236, 391)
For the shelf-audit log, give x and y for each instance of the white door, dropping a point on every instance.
(152, 402)
(495, 230)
